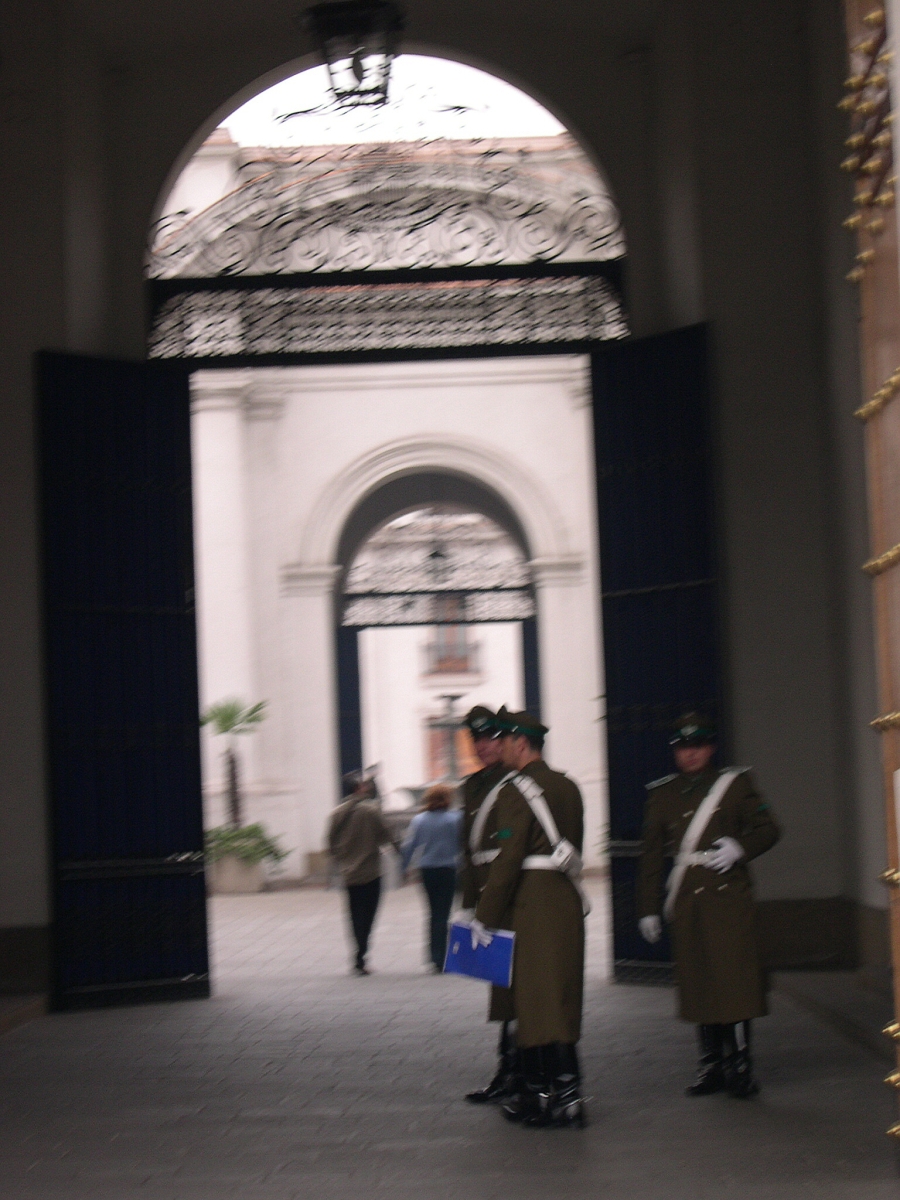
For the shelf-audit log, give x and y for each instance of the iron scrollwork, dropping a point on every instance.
(402, 316)
(437, 567)
(395, 206)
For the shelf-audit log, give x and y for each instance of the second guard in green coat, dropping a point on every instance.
(532, 888)
(712, 823)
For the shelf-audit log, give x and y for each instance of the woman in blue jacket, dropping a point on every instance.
(433, 839)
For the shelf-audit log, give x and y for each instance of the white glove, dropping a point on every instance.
(463, 916)
(651, 928)
(725, 853)
(480, 935)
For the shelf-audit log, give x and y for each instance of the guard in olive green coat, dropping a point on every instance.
(485, 733)
(529, 892)
(712, 823)
(482, 726)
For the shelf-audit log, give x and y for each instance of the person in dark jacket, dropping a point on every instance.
(712, 822)
(432, 841)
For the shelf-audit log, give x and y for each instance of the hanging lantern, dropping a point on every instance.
(358, 40)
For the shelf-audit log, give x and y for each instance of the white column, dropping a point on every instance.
(307, 605)
(224, 615)
(571, 702)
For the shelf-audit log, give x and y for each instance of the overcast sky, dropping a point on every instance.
(428, 98)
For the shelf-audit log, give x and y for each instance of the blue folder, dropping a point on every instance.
(493, 963)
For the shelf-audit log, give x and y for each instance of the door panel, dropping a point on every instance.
(530, 667)
(349, 699)
(121, 682)
(658, 567)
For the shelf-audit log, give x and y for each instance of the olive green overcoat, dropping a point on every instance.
(543, 908)
(474, 789)
(717, 964)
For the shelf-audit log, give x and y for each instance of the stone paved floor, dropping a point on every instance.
(299, 1081)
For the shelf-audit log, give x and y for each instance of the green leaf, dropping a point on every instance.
(233, 716)
(249, 842)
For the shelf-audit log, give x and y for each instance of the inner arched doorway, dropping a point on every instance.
(435, 613)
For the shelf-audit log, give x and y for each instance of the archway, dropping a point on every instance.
(435, 576)
(440, 247)
(528, 328)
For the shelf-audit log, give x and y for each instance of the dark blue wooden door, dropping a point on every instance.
(121, 682)
(349, 699)
(531, 675)
(658, 567)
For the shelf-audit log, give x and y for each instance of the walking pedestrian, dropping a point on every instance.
(356, 833)
(712, 823)
(433, 842)
(532, 888)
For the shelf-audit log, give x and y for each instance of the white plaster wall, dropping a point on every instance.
(316, 441)
(209, 175)
(398, 700)
(224, 603)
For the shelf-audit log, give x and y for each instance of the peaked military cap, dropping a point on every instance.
(520, 722)
(692, 729)
(481, 722)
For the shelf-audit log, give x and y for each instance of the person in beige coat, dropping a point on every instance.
(712, 823)
(541, 902)
(356, 832)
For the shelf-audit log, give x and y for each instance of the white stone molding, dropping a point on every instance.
(563, 571)
(571, 371)
(535, 508)
(580, 391)
(266, 401)
(219, 391)
(300, 580)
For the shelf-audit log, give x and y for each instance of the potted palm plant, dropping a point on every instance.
(235, 852)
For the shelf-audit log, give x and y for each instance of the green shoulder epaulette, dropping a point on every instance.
(659, 782)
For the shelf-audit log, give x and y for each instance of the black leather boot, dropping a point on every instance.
(738, 1065)
(560, 1105)
(504, 1083)
(529, 1099)
(710, 1068)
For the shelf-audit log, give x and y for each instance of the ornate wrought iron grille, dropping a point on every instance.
(382, 249)
(438, 567)
(259, 322)
(476, 608)
(396, 206)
